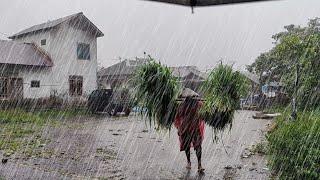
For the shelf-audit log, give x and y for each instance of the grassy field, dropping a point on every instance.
(294, 146)
(20, 130)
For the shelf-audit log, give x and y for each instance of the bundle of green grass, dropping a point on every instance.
(157, 90)
(221, 92)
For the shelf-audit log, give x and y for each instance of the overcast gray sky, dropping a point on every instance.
(237, 33)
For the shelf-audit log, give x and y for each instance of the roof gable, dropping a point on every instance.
(193, 76)
(182, 71)
(51, 24)
(188, 71)
(126, 67)
(116, 69)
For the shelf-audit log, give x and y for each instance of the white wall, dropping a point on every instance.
(62, 46)
(42, 75)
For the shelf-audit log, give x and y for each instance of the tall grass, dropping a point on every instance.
(157, 90)
(222, 91)
(294, 146)
(18, 124)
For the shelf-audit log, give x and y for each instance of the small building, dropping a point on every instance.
(262, 96)
(274, 94)
(190, 76)
(55, 57)
(119, 74)
(273, 89)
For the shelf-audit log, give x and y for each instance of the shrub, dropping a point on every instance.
(294, 147)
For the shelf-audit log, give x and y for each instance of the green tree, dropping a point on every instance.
(296, 51)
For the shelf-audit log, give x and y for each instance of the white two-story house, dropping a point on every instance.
(57, 57)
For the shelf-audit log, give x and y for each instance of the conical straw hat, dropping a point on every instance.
(186, 92)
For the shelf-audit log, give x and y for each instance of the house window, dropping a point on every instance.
(43, 42)
(83, 51)
(75, 85)
(35, 84)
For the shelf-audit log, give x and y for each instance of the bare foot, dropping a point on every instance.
(200, 169)
(188, 165)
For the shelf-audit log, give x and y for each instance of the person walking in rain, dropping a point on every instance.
(190, 126)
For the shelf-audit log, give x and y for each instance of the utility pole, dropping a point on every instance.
(295, 94)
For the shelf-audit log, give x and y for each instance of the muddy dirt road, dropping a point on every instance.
(127, 148)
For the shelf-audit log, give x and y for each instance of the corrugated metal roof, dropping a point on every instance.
(54, 23)
(126, 67)
(28, 54)
(187, 92)
(183, 71)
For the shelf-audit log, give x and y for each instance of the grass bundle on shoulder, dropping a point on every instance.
(157, 90)
(222, 91)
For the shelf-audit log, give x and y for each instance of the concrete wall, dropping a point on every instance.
(61, 44)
